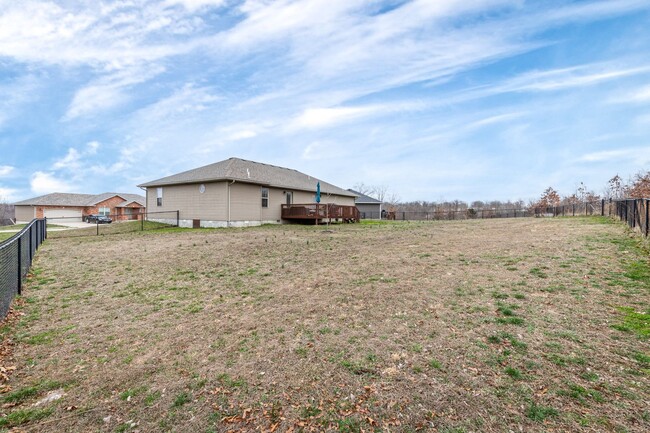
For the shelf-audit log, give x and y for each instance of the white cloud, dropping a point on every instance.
(108, 92)
(92, 99)
(324, 149)
(183, 102)
(7, 194)
(194, 5)
(630, 153)
(321, 117)
(570, 77)
(17, 94)
(5, 170)
(92, 147)
(242, 135)
(70, 161)
(99, 35)
(642, 95)
(45, 183)
(324, 117)
(638, 95)
(495, 119)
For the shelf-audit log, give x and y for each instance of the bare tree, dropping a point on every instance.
(615, 188)
(581, 192)
(6, 212)
(379, 192)
(362, 188)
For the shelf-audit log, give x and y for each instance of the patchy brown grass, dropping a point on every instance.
(465, 326)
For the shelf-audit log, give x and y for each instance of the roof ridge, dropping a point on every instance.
(269, 165)
(244, 170)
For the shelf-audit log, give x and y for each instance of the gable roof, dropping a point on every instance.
(249, 172)
(126, 203)
(81, 200)
(364, 199)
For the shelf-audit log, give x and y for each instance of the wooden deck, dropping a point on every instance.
(320, 212)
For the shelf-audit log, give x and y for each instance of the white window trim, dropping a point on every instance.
(265, 198)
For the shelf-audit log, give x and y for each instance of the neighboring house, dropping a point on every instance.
(71, 207)
(238, 193)
(369, 207)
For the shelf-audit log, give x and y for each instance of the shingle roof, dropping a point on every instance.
(250, 172)
(364, 199)
(83, 200)
(141, 202)
(128, 198)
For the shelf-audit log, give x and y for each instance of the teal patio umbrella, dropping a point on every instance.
(318, 192)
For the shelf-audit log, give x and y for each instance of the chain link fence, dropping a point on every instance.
(101, 225)
(635, 212)
(591, 208)
(16, 255)
(447, 215)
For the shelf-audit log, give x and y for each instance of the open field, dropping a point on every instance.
(470, 326)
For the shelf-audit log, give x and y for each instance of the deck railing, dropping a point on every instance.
(320, 211)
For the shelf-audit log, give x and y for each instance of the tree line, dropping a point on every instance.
(638, 186)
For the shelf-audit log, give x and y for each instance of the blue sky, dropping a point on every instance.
(437, 99)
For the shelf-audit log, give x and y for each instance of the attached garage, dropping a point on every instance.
(25, 213)
(62, 215)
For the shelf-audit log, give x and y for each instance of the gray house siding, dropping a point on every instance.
(369, 210)
(227, 204)
(229, 193)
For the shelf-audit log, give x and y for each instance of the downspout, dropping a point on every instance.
(228, 223)
(146, 202)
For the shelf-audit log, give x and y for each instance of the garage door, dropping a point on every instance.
(62, 215)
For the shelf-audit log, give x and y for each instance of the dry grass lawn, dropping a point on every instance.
(469, 326)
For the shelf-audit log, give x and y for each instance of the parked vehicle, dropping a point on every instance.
(98, 219)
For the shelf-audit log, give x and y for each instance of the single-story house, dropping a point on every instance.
(238, 193)
(73, 207)
(369, 207)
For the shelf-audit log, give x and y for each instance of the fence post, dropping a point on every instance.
(30, 245)
(178, 218)
(647, 216)
(602, 207)
(634, 213)
(45, 227)
(20, 265)
(141, 222)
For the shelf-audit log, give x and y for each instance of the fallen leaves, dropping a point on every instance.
(6, 346)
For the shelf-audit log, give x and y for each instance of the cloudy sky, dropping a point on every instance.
(436, 99)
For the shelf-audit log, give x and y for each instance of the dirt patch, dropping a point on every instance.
(449, 326)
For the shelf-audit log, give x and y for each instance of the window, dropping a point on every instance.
(105, 211)
(159, 196)
(265, 197)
